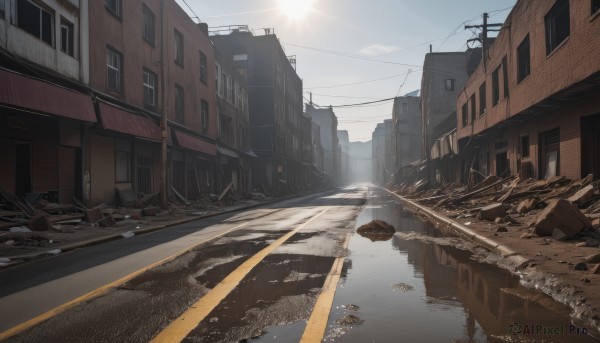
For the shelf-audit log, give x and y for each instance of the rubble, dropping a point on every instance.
(377, 230)
(561, 215)
(493, 211)
(582, 196)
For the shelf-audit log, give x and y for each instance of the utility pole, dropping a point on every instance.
(484, 39)
(163, 118)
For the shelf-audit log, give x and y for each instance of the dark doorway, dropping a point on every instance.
(502, 164)
(590, 146)
(22, 169)
(549, 154)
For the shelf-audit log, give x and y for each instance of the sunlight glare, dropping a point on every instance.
(296, 9)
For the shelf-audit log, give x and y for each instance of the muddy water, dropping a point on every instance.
(428, 290)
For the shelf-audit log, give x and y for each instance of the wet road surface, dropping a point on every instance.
(416, 287)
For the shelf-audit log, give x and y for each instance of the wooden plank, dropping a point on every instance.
(225, 191)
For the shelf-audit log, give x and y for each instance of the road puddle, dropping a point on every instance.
(421, 287)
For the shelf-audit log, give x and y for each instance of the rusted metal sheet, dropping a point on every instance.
(116, 119)
(27, 93)
(196, 144)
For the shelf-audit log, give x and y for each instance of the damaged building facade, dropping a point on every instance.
(531, 107)
(327, 122)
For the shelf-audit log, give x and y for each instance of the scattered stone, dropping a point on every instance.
(564, 216)
(135, 215)
(40, 222)
(596, 269)
(348, 320)
(128, 234)
(107, 221)
(526, 205)
(498, 220)
(402, 287)
(593, 258)
(377, 230)
(527, 235)
(93, 215)
(351, 307)
(9, 243)
(582, 196)
(590, 243)
(493, 211)
(501, 229)
(16, 229)
(580, 266)
(150, 211)
(562, 262)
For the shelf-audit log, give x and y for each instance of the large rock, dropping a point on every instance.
(377, 230)
(583, 195)
(40, 222)
(562, 215)
(493, 211)
(93, 215)
(526, 205)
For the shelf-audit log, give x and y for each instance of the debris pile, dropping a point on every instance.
(377, 230)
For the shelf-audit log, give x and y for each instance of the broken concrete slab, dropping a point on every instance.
(526, 205)
(40, 222)
(93, 215)
(107, 221)
(563, 215)
(583, 195)
(493, 211)
(595, 258)
(150, 211)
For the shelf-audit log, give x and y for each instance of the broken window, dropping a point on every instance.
(178, 48)
(179, 104)
(148, 25)
(203, 68)
(35, 20)
(524, 146)
(114, 6)
(482, 102)
(66, 37)
(595, 6)
(449, 84)
(505, 75)
(114, 67)
(557, 25)
(523, 59)
(123, 160)
(204, 114)
(149, 88)
(495, 87)
(465, 117)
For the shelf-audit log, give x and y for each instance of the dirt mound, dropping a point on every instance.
(377, 230)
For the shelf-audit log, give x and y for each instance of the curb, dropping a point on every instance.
(139, 232)
(507, 253)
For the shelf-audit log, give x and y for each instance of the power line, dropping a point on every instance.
(361, 82)
(341, 96)
(362, 103)
(191, 10)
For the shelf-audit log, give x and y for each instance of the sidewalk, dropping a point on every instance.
(20, 247)
(566, 270)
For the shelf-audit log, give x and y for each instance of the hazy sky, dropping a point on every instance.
(397, 32)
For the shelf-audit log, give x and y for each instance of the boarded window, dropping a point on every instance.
(35, 20)
(523, 68)
(557, 25)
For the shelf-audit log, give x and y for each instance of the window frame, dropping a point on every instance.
(464, 114)
(117, 11)
(152, 87)
(148, 25)
(203, 68)
(496, 86)
(550, 25)
(40, 34)
(523, 73)
(119, 70)
(179, 48)
(482, 99)
(594, 7)
(70, 37)
(524, 148)
(179, 111)
(505, 76)
(451, 86)
(204, 111)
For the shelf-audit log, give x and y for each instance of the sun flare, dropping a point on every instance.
(296, 9)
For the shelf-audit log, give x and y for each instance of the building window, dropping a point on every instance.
(114, 6)
(473, 108)
(595, 6)
(114, 67)
(465, 116)
(204, 114)
(557, 25)
(495, 87)
(229, 89)
(148, 25)
(179, 104)
(178, 48)
(449, 84)
(66, 37)
(2, 9)
(149, 88)
(524, 68)
(524, 146)
(144, 175)
(222, 88)
(123, 160)
(482, 104)
(35, 20)
(218, 80)
(203, 68)
(505, 75)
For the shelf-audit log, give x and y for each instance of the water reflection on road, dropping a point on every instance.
(418, 291)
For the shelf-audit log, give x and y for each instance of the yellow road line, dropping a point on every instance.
(104, 289)
(189, 320)
(317, 323)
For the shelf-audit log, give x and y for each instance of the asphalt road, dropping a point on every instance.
(227, 278)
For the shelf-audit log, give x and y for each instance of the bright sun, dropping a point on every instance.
(296, 9)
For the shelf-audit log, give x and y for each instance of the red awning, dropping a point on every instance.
(119, 120)
(196, 144)
(31, 94)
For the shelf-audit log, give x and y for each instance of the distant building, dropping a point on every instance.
(533, 107)
(360, 161)
(327, 121)
(317, 156)
(383, 152)
(275, 103)
(407, 130)
(344, 156)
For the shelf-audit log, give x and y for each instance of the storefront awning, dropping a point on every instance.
(118, 120)
(30, 94)
(227, 152)
(190, 142)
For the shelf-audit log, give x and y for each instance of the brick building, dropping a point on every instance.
(532, 104)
